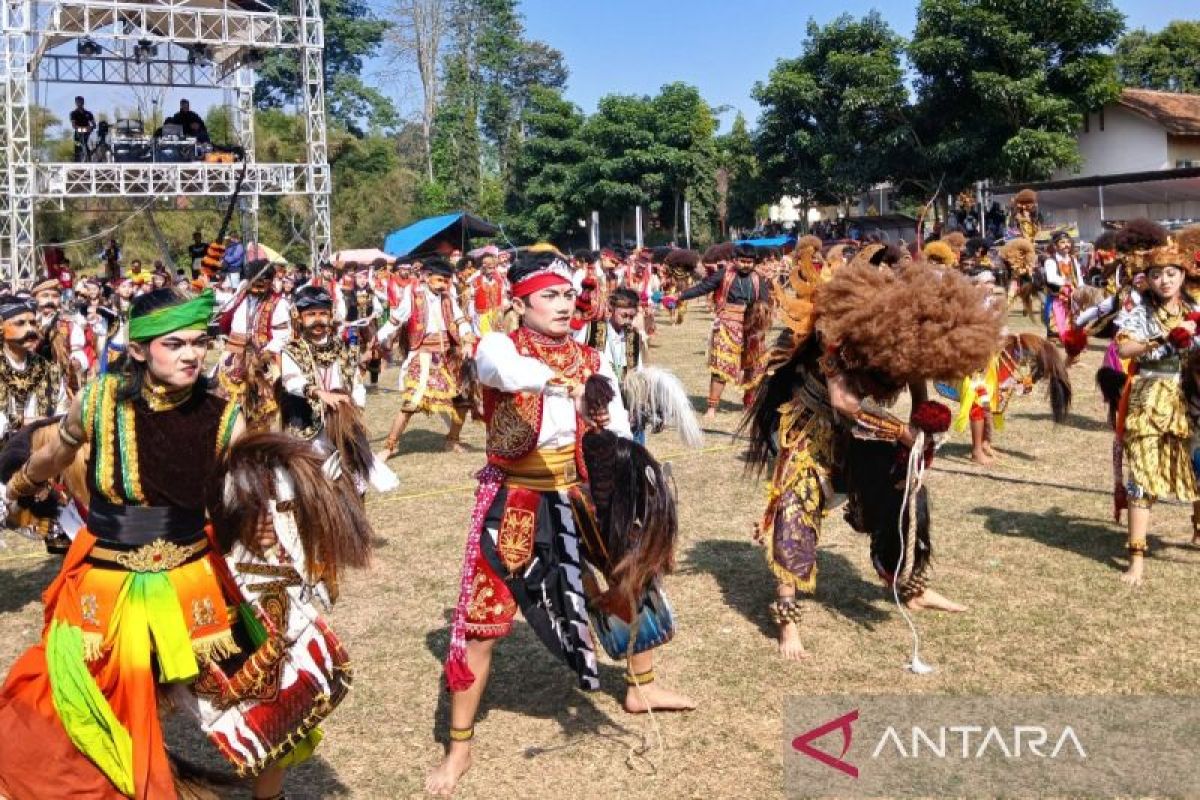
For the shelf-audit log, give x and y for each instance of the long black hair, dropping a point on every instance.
(133, 371)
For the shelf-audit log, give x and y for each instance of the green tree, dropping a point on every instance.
(1168, 60)
(1001, 86)
(744, 189)
(352, 35)
(542, 198)
(684, 131)
(830, 125)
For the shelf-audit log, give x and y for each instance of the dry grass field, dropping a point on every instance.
(1028, 544)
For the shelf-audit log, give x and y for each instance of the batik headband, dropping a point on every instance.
(553, 274)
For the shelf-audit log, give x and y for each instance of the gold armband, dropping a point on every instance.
(20, 485)
(68, 438)
(875, 424)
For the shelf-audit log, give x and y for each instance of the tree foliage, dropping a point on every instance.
(1168, 60)
(1001, 85)
(829, 126)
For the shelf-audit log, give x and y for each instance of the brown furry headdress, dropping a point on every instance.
(810, 243)
(940, 253)
(917, 324)
(682, 258)
(1138, 239)
(956, 239)
(1019, 253)
(1026, 197)
(1188, 241)
(719, 252)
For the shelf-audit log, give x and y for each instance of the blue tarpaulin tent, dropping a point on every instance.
(421, 237)
(775, 241)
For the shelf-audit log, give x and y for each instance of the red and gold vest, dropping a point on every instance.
(726, 281)
(420, 314)
(514, 419)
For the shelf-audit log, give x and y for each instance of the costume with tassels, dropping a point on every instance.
(853, 344)
(145, 596)
(742, 301)
(553, 523)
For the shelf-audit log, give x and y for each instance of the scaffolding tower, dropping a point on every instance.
(212, 44)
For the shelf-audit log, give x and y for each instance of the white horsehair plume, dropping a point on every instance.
(656, 393)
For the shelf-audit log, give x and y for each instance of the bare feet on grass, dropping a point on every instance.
(445, 776)
(929, 600)
(790, 646)
(1133, 575)
(652, 697)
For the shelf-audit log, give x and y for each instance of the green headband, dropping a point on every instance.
(193, 315)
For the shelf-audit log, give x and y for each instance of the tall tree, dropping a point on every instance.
(416, 38)
(684, 129)
(830, 125)
(744, 185)
(352, 35)
(543, 200)
(1001, 88)
(1168, 60)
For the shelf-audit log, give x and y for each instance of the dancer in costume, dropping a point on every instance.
(257, 323)
(363, 314)
(324, 391)
(683, 265)
(537, 541)
(1020, 257)
(743, 308)
(65, 336)
(852, 346)
(1159, 335)
(1063, 276)
(31, 387)
(145, 598)
(439, 340)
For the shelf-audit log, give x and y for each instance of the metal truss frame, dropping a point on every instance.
(31, 32)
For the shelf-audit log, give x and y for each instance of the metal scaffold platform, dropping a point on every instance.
(212, 44)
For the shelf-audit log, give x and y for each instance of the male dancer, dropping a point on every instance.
(439, 336)
(534, 540)
(743, 306)
(31, 387)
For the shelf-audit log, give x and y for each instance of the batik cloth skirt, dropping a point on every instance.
(428, 383)
(791, 525)
(79, 711)
(1158, 440)
(725, 346)
(538, 552)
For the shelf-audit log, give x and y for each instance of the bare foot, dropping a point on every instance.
(386, 454)
(1195, 539)
(790, 646)
(989, 450)
(445, 776)
(455, 446)
(1133, 575)
(651, 696)
(710, 415)
(929, 600)
(981, 458)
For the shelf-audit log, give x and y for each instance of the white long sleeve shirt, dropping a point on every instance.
(281, 322)
(502, 367)
(435, 321)
(1059, 271)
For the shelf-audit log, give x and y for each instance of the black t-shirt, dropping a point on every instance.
(82, 118)
(189, 120)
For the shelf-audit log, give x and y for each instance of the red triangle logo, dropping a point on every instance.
(803, 743)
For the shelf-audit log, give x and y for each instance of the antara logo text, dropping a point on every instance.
(944, 742)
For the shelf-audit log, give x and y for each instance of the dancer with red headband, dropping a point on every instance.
(542, 535)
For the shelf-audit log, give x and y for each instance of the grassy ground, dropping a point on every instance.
(1028, 544)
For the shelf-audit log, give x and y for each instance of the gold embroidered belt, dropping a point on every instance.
(433, 343)
(157, 556)
(732, 312)
(544, 470)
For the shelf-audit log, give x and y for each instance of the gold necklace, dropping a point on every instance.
(163, 398)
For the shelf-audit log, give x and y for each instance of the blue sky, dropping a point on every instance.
(636, 46)
(721, 46)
